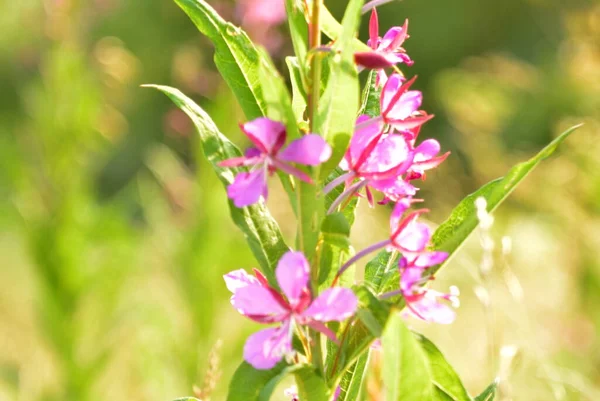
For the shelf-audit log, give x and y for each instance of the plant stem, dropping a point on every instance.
(314, 41)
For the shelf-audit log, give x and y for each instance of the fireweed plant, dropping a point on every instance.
(331, 144)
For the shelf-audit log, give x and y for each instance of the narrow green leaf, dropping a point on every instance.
(277, 97)
(355, 338)
(249, 384)
(311, 386)
(488, 394)
(332, 28)
(406, 372)
(352, 382)
(334, 249)
(236, 57)
(444, 376)
(261, 230)
(298, 92)
(370, 104)
(298, 31)
(451, 234)
(341, 97)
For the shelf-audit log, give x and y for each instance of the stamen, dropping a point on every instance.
(351, 190)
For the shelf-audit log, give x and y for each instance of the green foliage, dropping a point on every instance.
(448, 384)
(261, 231)
(249, 384)
(407, 375)
(488, 394)
(463, 220)
(334, 250)
(353, 382)
(236, 57)
(371, 95)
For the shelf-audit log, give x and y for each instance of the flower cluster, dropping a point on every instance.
(384, 157)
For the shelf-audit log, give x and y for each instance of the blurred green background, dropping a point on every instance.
(114, 234)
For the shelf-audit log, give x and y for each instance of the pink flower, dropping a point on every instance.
(377, 160)
(268, 156)
(386, 51)
(255, 299)
(424, 155)
(400, 106)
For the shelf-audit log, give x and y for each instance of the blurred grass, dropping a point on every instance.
(114, 234)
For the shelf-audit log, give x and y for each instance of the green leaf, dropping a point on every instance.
(370, 104)
(249, 384)
(334, 249)
(350, 209)
(277, 97)
(488, 394)
(357, 336)
(451, 234)
(311, 386)
(298, 32)
(236, 57)
(444, 376)
(261, 230)
(406, 372)
(332, 28)
(381, 270)
(298, 92)
(352, 382)
(341, 97)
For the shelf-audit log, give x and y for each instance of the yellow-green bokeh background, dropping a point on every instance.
(114, 233)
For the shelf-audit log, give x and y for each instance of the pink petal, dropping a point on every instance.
(293, 273)
(396, 217)
(258, 301)
(332, 304)
(429, 259)
(265, 348)
(394, 38)
(375, 60)
(239, 278)
(392, 85)
(247, 188)
(406, 105)
(414, 237)
(389, 158)
(363, 139)
(374, 29)
(267, 135)
(310, 150)
(410, 278)
(429, 309)
(394, 189)
(289, 169)
(410, 122)
(427, 150)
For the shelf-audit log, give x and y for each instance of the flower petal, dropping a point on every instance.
(292, 275)
(389, 158)
(256, 301)
(247, 188)
(265, 348)
(332, 304)
(311, 150)
(363, 139)
(266, 134)
(406, 105)
(239, 278)
(429, 309)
